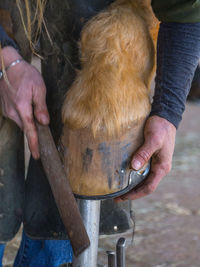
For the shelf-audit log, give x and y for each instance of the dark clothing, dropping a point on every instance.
(178, 53)
(184, 11)
(194, 94)
(5, 40)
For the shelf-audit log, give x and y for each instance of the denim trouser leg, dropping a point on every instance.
(2, 247)
(43, 253)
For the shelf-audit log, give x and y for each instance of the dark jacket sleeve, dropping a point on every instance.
(5, 40)
(184, 11)
(178, 53)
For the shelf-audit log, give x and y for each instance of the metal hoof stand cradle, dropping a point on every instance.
(90, 211)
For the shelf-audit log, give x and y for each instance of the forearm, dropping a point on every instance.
(178, 53)
(9, 52)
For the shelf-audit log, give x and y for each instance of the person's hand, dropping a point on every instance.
(159, 135)
(24, 98)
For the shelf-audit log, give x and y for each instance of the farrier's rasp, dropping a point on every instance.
(61, 190)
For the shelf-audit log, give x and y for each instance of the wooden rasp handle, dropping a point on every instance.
(61, 190)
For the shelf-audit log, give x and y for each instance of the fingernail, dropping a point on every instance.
(136, 164)
(44, 119)
(36, 155)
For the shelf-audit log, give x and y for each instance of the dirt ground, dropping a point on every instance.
(167, 222)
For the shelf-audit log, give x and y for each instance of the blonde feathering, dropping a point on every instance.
(111, 91)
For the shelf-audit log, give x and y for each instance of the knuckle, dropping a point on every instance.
(40, 99)
(20, 107)
(41, 86)
(28, 119)
(143, 155)
(149, 189)
(43, 89)
(33, 141)
(28, 123)
(40, 91)
(9, 112)
(32, 137)
(156, 141)
(40, 109)
(166, 167)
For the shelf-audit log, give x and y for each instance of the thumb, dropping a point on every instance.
(142, 155)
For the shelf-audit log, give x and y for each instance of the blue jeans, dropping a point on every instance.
(41, 253)
(2, 247)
